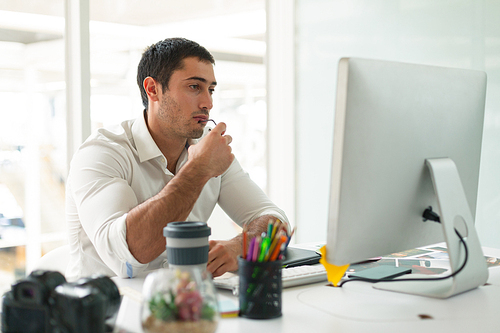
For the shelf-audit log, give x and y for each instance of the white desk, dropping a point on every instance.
(357, 307)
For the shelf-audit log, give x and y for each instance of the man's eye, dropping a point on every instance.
(211, 91)
(194, 86)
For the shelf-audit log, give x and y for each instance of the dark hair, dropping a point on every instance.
(160, 60)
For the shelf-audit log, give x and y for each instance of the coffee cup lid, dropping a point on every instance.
(186, 230)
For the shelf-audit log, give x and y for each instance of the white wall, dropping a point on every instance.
(452, 33)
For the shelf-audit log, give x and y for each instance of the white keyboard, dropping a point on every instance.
(293, 276)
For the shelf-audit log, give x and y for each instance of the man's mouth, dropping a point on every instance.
(201, 119)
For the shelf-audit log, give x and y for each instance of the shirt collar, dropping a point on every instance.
(144, 143)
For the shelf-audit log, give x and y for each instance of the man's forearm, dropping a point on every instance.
(175, 201)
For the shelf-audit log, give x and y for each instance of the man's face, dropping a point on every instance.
(188, 100)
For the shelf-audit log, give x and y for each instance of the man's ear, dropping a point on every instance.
(151, 86)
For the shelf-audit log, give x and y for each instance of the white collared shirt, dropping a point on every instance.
(120, 167)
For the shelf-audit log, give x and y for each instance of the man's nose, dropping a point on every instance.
(206, 101)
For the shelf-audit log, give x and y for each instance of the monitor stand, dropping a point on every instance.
(454, 213)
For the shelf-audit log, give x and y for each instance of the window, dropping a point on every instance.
(32, 134)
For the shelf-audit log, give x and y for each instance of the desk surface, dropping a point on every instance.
(356, 307)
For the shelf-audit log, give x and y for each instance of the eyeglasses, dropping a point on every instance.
(207, 120)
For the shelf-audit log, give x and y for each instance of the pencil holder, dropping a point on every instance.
(260, 289)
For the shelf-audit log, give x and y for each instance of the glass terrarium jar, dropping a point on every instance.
(179, 300)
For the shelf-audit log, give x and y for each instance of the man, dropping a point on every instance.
(126, 183)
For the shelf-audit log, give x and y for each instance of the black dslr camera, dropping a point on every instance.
(44, 302)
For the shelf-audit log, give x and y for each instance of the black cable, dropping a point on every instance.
(416, 279)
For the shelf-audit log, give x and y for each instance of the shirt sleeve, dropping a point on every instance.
(103, 197)
(244, 201)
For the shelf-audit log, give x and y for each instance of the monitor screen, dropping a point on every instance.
(390, 118)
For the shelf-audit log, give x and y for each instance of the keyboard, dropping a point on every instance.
(293, 276)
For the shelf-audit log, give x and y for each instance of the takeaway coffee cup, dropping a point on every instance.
(187, 244)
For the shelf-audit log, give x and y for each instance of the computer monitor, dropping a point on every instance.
(402, 131)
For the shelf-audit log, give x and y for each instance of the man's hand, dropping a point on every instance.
(213, 152)
(223, 256)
